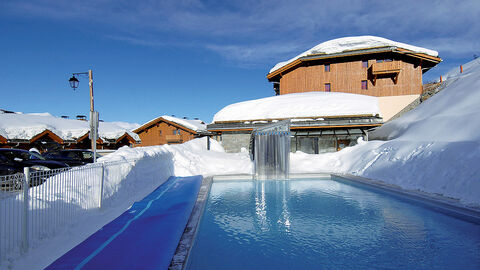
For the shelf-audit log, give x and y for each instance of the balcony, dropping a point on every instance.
(385, 69)
(173, 138)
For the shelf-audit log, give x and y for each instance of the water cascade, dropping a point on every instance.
(271, 151)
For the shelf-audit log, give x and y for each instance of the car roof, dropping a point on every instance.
(13, 149)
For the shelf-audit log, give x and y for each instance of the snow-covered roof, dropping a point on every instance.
(354, 43)
(26, 126)
(192, 124)
(311, 104)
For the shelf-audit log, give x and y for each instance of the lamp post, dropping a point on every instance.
(93, 114)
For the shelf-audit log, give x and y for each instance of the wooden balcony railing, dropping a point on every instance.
(392, 68)
(173, 138)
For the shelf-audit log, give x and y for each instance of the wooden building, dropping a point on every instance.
(370, 66)
(170, 130)
(389, 72)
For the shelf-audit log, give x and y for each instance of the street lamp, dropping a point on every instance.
(93, 114)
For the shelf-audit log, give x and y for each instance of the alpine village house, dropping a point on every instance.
(365, 65)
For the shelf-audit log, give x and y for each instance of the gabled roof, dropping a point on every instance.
(20, 126)
(193, 126)
(86, 136)
(3, 139)
(351, 46)
(47, 133)
(129, 138)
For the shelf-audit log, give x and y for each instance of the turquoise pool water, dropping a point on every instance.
(325, 224)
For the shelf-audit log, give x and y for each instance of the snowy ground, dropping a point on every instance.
(434, 148)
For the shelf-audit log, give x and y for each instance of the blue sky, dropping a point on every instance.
(191, 58)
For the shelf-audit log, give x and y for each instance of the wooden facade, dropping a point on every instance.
(379, 73)
(162, 131)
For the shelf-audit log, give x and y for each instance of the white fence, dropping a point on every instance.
(36, 204)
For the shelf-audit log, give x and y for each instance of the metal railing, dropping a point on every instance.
(36, 204)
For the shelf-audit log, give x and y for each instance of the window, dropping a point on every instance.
(379, 60)
(327, 87)
(388, 60)
(364, 85)
(327, 67)
(365, 64)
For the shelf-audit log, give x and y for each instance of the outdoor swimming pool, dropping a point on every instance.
(326, 224)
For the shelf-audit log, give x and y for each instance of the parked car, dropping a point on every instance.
(14, 160)
(72, 157)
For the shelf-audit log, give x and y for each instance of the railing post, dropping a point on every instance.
(101, 186)
(26, 185)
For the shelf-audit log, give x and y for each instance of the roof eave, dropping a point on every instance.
(423, 56)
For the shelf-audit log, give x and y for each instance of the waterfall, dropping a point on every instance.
(271, 151)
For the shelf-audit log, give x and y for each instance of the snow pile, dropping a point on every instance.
(354, 43)
(311, 104)
(187, 159)
(434, 148)
(130, 175)
(26, 126)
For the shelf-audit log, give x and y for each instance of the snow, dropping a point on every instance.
(195, 125)
(311, 104)
(467, 68)
(434, 148)
(354, 43)
(130, 175)
(26, 126)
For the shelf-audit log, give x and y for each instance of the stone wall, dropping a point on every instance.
(233, 142)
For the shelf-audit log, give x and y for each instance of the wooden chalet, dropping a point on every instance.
(386, 70)
(170, 130)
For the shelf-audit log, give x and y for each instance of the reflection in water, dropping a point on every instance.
(312, 224)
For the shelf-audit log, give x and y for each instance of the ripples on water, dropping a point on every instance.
(324, 224)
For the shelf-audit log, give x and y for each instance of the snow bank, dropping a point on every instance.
(311, 104)
(354, 43)
(434, 148)
(469, 67)
(130, 175)
(26, 126)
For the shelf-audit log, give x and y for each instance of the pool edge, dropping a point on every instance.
(439, 202)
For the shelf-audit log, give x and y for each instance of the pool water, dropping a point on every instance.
(325, 224)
